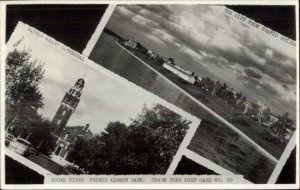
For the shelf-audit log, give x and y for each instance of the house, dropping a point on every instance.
(273, 119)
(289, 134)
(152, 54)
(130, 43)
(179, 72)
(67, 137)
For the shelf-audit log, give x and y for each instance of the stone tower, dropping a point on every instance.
(68, 106)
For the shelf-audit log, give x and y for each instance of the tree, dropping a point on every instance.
(141, 48)
(159, 60)
(223, 91)
(23, 97)
(77, 154)
(254, 110)
(228, 96)
(265, 115)
(238, 98)
(283, 123)
(224, 86)
(157, 134)
(146, 146)
(240, 104)
(40, 136)
(207, 84)
(171, 61)
(115, 136)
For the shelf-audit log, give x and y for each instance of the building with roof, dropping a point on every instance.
(67, 135)
(179, 72)
(130, 43)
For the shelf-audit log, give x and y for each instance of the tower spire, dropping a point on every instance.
(68, 105)
(131, 37)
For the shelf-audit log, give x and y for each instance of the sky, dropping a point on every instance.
(106, 97)
(203, 39)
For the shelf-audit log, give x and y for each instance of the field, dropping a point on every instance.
(48, 164)
(234, 154)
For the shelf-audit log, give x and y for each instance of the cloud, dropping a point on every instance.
(283, 73)
(252, 74)
(155, 39)
(124, 11)
(201, 38)
(163, 35)
(192, 54)
(269, 88)
(141, 20)
(269, 53)
(163, 11)
(208, 30)
(225, 42)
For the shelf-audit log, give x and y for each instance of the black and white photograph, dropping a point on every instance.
(149, 94)
(236, 75)
(65, 117)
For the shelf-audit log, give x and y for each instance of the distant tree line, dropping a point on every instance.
(279, 124)
(112, 33)
(248, 110)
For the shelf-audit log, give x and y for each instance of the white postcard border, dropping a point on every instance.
(171, 186)
(295, 138)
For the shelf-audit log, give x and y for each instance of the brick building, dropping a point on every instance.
(67, 135)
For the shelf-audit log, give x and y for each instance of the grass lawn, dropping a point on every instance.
(231, 152)
(48, 164)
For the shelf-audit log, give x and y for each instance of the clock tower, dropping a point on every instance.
(68, 106)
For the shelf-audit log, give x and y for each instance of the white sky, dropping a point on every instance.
(104, 98)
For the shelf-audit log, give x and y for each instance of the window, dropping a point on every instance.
(66, 135)
(86, 127)
(63, 113)
(58, 149)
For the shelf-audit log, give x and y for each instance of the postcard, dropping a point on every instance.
(164, 95)
(233, 73)
(69, 120)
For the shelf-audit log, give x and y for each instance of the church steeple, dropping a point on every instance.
(68, 105)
